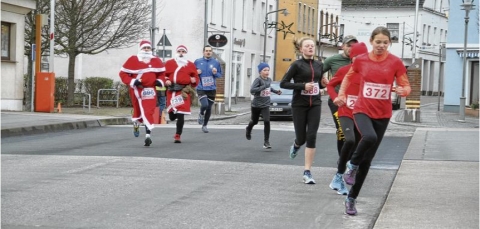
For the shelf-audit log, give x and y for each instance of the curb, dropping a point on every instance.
(41, 129)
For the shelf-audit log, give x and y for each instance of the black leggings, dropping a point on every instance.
(207, 99)
(340, 134)
(180, 121)
(306, 121)
(352, 137)
(372, 132)
(265, 111)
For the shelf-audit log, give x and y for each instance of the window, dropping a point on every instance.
(299, 17)
(254, 17)
(428, 35)
(304, 26)
(308, 21)
(6, 32)
(212, 9)
(394, 31)
(223, 12)
(441, 35)
(264, 10)
(243, 15)
(424, 36)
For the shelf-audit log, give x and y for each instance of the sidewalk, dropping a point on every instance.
(26, 123)
(436, 186)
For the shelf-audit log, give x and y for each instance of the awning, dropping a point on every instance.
(469, 53)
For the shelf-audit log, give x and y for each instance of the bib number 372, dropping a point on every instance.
(376, 91)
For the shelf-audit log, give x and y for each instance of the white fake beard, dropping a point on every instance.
(181, 60)
(145, 56)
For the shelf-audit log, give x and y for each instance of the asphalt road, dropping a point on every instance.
(105, 178)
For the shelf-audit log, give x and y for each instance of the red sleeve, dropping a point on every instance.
(126, 73)
(336, 80)
(346, 81)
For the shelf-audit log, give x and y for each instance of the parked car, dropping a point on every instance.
(281, 105)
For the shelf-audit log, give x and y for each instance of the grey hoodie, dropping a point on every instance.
(261, 90)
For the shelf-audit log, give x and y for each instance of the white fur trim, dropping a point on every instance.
(132, 82)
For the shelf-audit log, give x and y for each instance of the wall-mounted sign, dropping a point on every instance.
(217, 40)
(240, 42)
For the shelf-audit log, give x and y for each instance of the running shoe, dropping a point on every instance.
(339, 185)
(136, 129)
(266, 145)
(177, 138)
(350, 208)
(248, 133)
(148, 141)
(200, 119)
(349, 175)
(204, 129)
(307, 178)
(293, 151)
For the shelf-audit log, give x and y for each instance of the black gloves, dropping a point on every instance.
(137, 83)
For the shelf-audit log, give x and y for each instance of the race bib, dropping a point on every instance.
(148, 93)
(265, 93)
(207, 81)
(376, 90)
(314, 91)
(177, 101)
(351, 99)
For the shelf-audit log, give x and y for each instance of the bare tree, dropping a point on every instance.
(93, 26)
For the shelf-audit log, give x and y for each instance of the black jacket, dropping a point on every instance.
(303, 71)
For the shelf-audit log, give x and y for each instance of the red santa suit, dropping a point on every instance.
(144, 98)
(180, 71)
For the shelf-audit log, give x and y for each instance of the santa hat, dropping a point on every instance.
(261, 66)
(357, 49)
(145, 43)
(182, 47)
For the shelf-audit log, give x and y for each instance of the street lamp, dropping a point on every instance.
(467, 6)
(285, 12)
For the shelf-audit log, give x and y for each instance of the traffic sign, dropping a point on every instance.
(164, 41)
(217, 40)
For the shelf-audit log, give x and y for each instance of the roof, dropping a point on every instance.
(381, 3)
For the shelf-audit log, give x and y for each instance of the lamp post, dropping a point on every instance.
(467, 6)
(285, 12)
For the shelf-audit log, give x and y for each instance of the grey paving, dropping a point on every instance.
(436, 185)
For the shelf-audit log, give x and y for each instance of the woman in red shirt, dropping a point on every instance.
(373, 108)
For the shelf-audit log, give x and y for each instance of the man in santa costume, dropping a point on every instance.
(181, 78)
(142, 72)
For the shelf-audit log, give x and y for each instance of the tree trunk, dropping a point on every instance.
(71, 79)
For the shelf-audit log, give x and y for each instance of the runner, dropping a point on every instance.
(209, 70)
(373, 108)
(332, 64)
(261, 90)
(346, 117)
(180, 78)
(306, 74)
(142, 72)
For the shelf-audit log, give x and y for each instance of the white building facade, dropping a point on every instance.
(360, 18)
(184, 24)
(13, 33)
